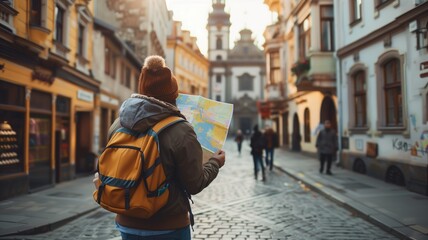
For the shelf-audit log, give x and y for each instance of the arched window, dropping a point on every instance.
(307, 127)
(219, 43)
(246, 82)
(391, 71)
(360, 106)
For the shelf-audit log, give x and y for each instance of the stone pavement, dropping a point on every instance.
(234, 206)
(391, 207)
(47, 209)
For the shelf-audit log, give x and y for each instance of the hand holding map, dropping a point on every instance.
(210, 120)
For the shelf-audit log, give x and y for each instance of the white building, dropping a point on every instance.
(236, 75)
(301, 71)
(382, 89)
(143, 24)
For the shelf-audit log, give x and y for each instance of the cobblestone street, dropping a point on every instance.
(236, 206)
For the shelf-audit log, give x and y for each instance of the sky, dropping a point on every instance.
(251, 14)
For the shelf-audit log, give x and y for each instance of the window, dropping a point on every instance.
(6, 15)
(327, 28)
(219, 43)
(59, 24)
(36, 13)
(107, 61)
(246, 82)
(218, 98)
(218, 78)
(382, 3)
(307, 130)
(356, 11)
(275, 68)
(122, 74)
(80, 39)
(113, 65)
(304, 37)
(360, 108)
(422, 37)
(392, 91)
(218, 57)
(128, 77)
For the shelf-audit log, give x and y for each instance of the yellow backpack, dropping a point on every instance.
(132, 180)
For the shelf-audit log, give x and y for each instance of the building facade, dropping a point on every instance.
(301, 68)
(186, 61)
(143, 25)
(236, 75)
(48, 95)
(383, 74)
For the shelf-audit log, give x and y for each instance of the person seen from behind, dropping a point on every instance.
(180, 154)
(239, 139)
(327, 146)
(271, 141)
(257, 145)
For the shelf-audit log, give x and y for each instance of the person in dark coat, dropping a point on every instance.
(271, 142)
(327, 146)
(239, 139)
(257, 145)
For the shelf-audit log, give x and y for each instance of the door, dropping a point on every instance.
(285, 131)
(328, 112)
(84, 157)
(296, 136)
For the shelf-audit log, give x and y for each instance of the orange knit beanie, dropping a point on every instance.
(156, 80)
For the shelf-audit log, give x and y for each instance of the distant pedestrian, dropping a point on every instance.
(239, 139)
(271, 142)
(327, 146)
(257, 145)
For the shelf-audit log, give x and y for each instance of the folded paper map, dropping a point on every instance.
(210, 119)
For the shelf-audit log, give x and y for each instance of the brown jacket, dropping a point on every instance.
(181, 156)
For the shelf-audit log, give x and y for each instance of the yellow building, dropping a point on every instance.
(47, 93)
(187, 62)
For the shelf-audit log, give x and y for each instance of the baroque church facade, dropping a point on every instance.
(237, 75)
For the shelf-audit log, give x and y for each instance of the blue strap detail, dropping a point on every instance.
(158, 192)
(117, 182)
(151, 169)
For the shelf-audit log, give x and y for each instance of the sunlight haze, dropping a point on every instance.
(251, 14)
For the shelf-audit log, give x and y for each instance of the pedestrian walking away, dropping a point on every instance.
(257, 145)
(180, 155)
(271, 141)
(327, 146)
(239, 139)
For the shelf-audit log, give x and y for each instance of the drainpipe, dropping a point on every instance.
(338, 16)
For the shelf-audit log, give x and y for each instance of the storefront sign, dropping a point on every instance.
(109, 100)
(359, 144)
(85, 96)
(372, 150)
(43, 75)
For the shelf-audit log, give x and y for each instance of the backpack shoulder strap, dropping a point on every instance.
(164, 123)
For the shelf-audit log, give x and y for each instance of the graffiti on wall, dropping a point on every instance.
(418, 148)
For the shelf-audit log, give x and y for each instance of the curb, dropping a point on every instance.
(49, 226)
(341, 202)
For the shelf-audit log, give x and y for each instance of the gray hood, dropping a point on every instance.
(139, 112)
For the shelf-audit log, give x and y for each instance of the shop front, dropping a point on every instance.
(46, 130)
(12, 140)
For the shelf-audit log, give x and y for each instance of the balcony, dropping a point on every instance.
(318, 74)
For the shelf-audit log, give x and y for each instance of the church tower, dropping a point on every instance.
(218, 32)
